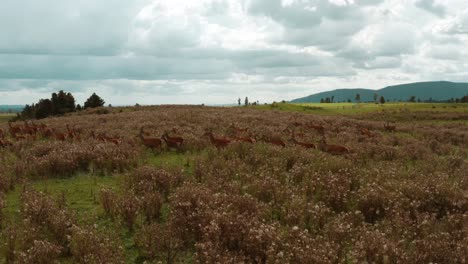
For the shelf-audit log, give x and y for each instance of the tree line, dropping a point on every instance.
(59, 104)
(411, 99)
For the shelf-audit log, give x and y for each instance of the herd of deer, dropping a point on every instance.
(31, 131)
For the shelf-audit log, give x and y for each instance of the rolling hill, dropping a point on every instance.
(438, 91)
(11, 108)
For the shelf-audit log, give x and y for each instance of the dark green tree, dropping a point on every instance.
(376, 96)
(322, 101)
(63, 103)
(239, 101)
(94, 101)
(358, 98)
(382, 100)
(44, 108)
(412, 99)
(246, 101)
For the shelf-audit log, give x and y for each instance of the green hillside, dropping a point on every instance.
(438, 91)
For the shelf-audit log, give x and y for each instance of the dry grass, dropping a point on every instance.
(397, 197)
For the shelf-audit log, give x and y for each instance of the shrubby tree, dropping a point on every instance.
(358, 98)
(94, 101)
(60, 103)
(246, 101)
(382, 100)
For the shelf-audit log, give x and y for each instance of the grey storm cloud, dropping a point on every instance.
(157, 51)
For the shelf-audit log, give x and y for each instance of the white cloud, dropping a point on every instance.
(155, 51)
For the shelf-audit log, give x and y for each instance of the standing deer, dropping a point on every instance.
(389, 128)
(218, 142)
(172, 142)
(302, 144)
(273, 141)
(152, 143)
(332, 149)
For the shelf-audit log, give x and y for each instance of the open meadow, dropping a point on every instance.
(281, 183)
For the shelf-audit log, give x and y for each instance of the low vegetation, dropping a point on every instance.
(193, 184)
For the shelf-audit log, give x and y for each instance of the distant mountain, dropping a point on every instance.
(438, 91)
(11, 108)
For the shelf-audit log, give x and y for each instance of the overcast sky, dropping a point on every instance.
(214, 51)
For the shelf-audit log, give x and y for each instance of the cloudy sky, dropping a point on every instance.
(214, 51)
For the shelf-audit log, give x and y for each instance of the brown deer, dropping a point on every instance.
(152, 143)
(389, 128)
(318, 128)
(5, 143)
(365, 132)
(245, 139)
(13, 129)
(332, 149)
(172, 142)
(302, 144)
(273, 141)
(218, 142)
(59, 135)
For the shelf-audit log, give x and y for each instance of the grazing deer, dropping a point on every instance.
(332, 149)
(389, 128)
(59, 135)
(172, 142)
(237, 130)
(365, 132)
(13, 129)
(5, 143)
(245, 139)
(218, 142)
(47, 132)
(318, 128)
(274, 141)
(302, 144)
(151, 143)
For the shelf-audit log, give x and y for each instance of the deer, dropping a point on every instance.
(13, 129)
(58, 135)
(151, 143)
(302, 144)
(318, 128)
(172, 142)
(390, 128)
(218, 142)
(365, 132)
(332, 149)
(104, 138)
(237, 130)
(245, 139)
(273, 141)
(5, 143)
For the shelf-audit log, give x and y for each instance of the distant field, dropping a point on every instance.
(5, 117)
(363, 108)
(371, 192)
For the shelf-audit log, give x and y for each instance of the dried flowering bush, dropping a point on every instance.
(89, 246)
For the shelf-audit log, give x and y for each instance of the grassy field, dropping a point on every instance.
(5, 117)
(393, 195)
(364, 108)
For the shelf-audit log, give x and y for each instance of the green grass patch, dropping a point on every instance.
(363, 108)
(80, 193)
(6, 117)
